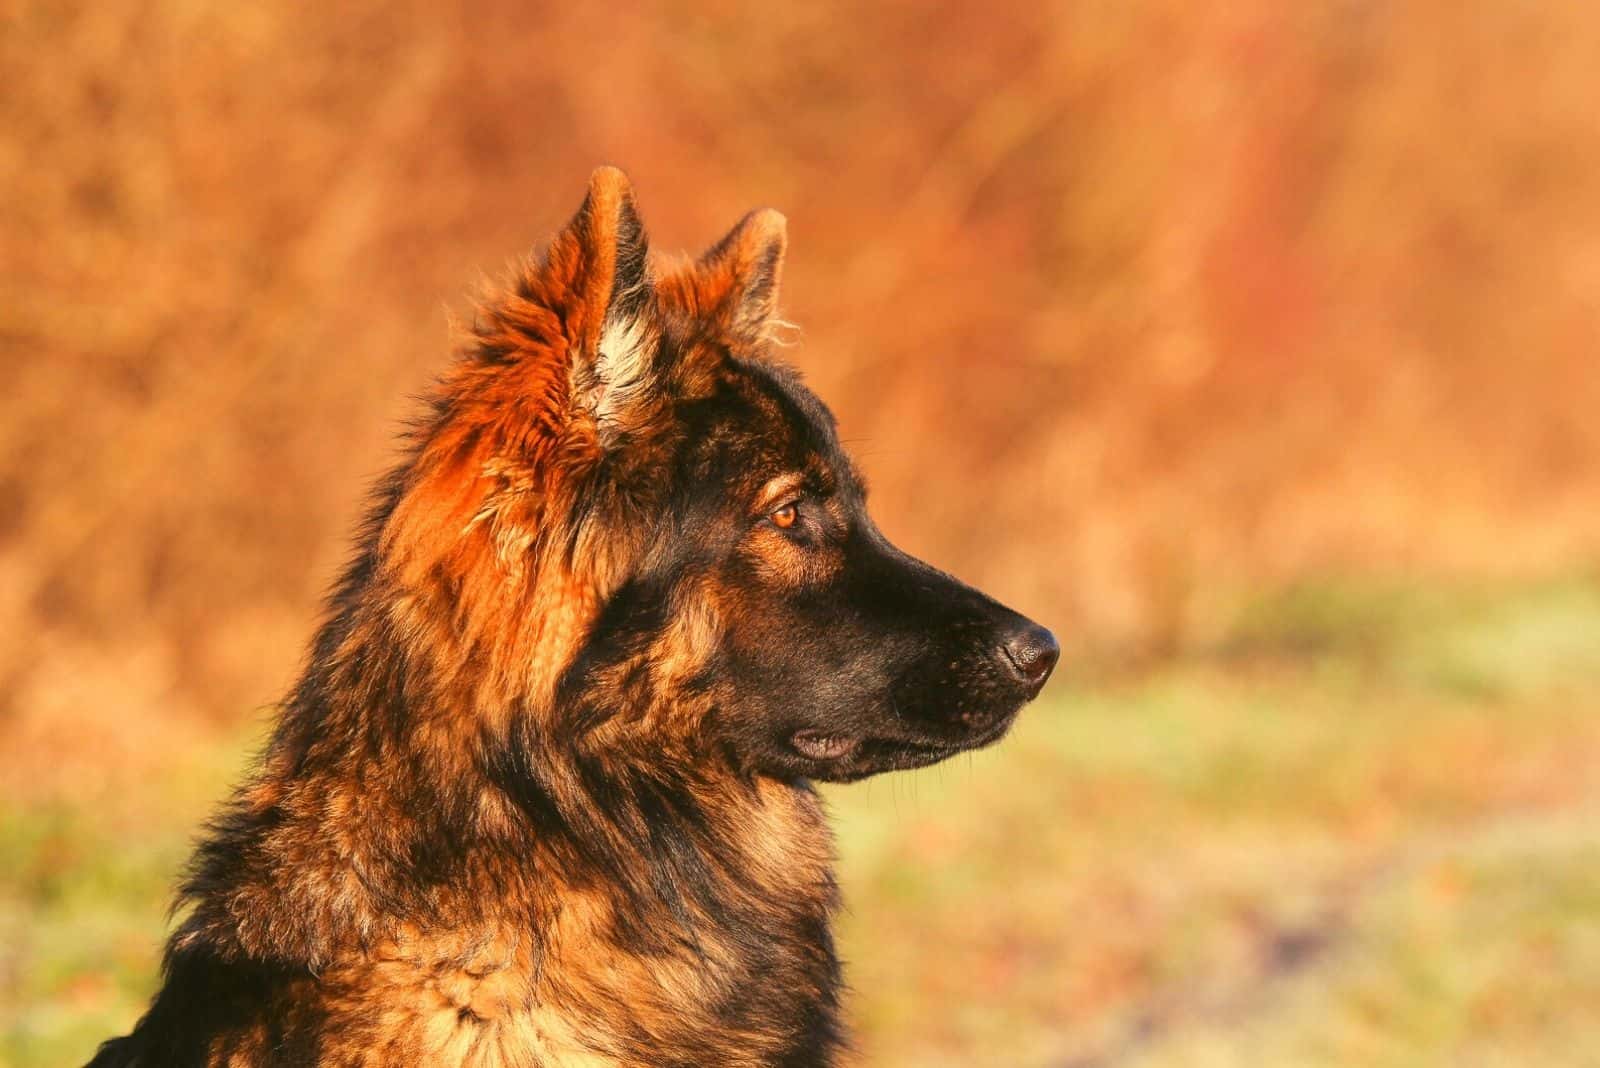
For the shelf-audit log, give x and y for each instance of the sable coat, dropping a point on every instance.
(542, 795)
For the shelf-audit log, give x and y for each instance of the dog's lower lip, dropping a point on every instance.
(820, 746)
(991, 731)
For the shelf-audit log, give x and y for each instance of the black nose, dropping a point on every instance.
(1032, 652)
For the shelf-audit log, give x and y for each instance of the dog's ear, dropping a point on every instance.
(739, 276)
(610, 315)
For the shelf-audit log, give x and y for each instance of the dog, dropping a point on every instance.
(542, 796)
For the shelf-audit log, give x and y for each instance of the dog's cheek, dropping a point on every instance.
(691, 638)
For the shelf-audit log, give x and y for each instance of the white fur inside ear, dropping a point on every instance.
(780, 332)
(623, 370)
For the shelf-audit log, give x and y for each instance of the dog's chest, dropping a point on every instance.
(746, 976)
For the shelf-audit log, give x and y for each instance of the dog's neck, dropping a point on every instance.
(390, 838)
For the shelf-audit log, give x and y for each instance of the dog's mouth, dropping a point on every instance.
(819, 746)
(845, 757)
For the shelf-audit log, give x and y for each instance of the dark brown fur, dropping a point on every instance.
(526, 806)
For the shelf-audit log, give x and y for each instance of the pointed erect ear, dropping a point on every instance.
(740, 275)
(611, 318)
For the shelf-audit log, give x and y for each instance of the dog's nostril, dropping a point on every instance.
(1032, 653)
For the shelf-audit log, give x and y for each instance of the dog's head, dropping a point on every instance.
(643, 530)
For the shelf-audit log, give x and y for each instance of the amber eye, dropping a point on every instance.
(784, 517)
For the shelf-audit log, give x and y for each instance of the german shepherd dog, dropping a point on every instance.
(543, 794)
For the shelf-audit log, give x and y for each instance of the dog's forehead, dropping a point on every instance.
(802, 429)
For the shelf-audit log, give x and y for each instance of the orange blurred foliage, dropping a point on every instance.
(1125, 306)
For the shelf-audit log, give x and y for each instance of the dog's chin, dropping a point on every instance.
(834, 757)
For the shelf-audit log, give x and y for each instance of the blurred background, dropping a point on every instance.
(1252, 347)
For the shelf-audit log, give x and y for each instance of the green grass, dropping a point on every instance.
(1362, 829)
(84, 891)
